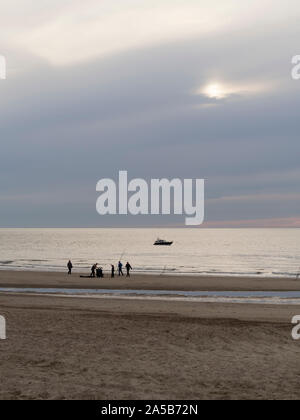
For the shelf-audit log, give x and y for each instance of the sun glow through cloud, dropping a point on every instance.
(215, 91)
(218, 90)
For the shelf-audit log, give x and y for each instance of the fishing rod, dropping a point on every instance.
(163, 271)
(122, 255)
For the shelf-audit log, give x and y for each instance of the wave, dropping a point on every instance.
(55, 266)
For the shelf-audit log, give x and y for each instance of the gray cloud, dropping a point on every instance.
(63, 128)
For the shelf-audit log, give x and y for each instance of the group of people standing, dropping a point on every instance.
(120, 269)
(98, 271)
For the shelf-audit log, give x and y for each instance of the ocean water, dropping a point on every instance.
(240, 252)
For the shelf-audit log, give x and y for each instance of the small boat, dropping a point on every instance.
(162, 242)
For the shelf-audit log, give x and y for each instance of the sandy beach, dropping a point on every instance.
(71, 348)
(146, 282)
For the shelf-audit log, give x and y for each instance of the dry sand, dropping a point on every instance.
(75, 348)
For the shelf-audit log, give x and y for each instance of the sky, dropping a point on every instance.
(168, 88)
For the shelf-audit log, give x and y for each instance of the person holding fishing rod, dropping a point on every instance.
(119, 265)
(120, 269)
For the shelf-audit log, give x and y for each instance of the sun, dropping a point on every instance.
(215, 91)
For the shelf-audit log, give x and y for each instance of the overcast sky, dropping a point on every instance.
(161, 88)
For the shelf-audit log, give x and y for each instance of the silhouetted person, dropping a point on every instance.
(112, 271)
(93, 272)
(70, 266)
(120, 266)
(128, 268)
(99, 272)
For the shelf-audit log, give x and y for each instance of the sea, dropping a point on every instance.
(210, 252)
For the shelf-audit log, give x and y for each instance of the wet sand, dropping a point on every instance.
(146, 282)
(70, 348)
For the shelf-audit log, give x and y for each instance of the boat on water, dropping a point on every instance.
(162, 242)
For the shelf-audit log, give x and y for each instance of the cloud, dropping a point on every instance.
(289, 222)
(256, 198)
(64, 33)
(82, 32)
(221, 90)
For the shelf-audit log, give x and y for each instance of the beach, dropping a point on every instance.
(146, 282)
(84, 348)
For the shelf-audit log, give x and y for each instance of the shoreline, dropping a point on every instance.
(162, 273)
(52, 279)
